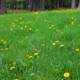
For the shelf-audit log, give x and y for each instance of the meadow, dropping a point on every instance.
(40, 45)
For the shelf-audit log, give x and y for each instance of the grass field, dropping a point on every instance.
(40, 46)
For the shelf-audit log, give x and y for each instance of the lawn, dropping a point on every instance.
(40, 45)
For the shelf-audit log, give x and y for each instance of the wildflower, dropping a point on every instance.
(6, 49)
(16, 79)
(12, 68)
(13, 23)
(37, 30)
(36, 12)
(25, 26)
(61, 45)
(11, 29)
(22, 28)
(30, 29)
(36, 54)
(66, 75)
(72, 22)
(30, 57)
(57, 41)
(43, 44)
(4, 42)
(77, 50)
(53, 44)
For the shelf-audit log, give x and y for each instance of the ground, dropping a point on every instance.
(40, 46)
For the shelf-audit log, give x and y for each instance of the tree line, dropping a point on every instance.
(39, 4)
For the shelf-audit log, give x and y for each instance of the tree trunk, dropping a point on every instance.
(79, 4)
(73, 4)
(30, 5)
(3, 6)
(42, 4)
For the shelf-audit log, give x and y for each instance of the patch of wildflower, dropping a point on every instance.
(66, 75)
(77, 49)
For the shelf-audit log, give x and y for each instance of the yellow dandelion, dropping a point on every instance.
(30, 57)
(16, 79)
(43, 44)
(36, 54)
(53, 44)
(30, 29)
(13, 23)
(66, 75)
(6, 49)
(11, 29)
(57, 41)
(36, 13)
(77, 50)
(2, 40)
(22, 28)
(72, 18)
(72, 22)
(25, 26)
(12, 68)
(61, 45)
(37, 30)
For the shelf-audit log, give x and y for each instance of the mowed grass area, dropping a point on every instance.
(40, 46)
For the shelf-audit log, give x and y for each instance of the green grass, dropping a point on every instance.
(40, 45)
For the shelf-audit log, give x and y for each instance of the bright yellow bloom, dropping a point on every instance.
(53, 44)
(6, 49)
(66, 75)
(2, 40)
(72, 22)
(36, 13)
(30, 57)
(36, 54)
(77, 50)
(12, 68)
(16, 79)
(57, 41)
(61, 45)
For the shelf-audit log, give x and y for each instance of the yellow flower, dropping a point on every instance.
(30, 57)
(13, 23)
(16, 79)
(36, 54)
(53, 44)
(12, 68)
(66, 75)
(36, 13)
(72, 22)
(6, 49)
(30, 29)
(11, 29)
(43, 44)
(2, 40)
(22, 28)
(77, 50)
(61, 45)
(57, 41)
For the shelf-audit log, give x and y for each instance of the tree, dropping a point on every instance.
(30, 4)
(79, 4)
(73, 4)
(42, 4)
(3, 8)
